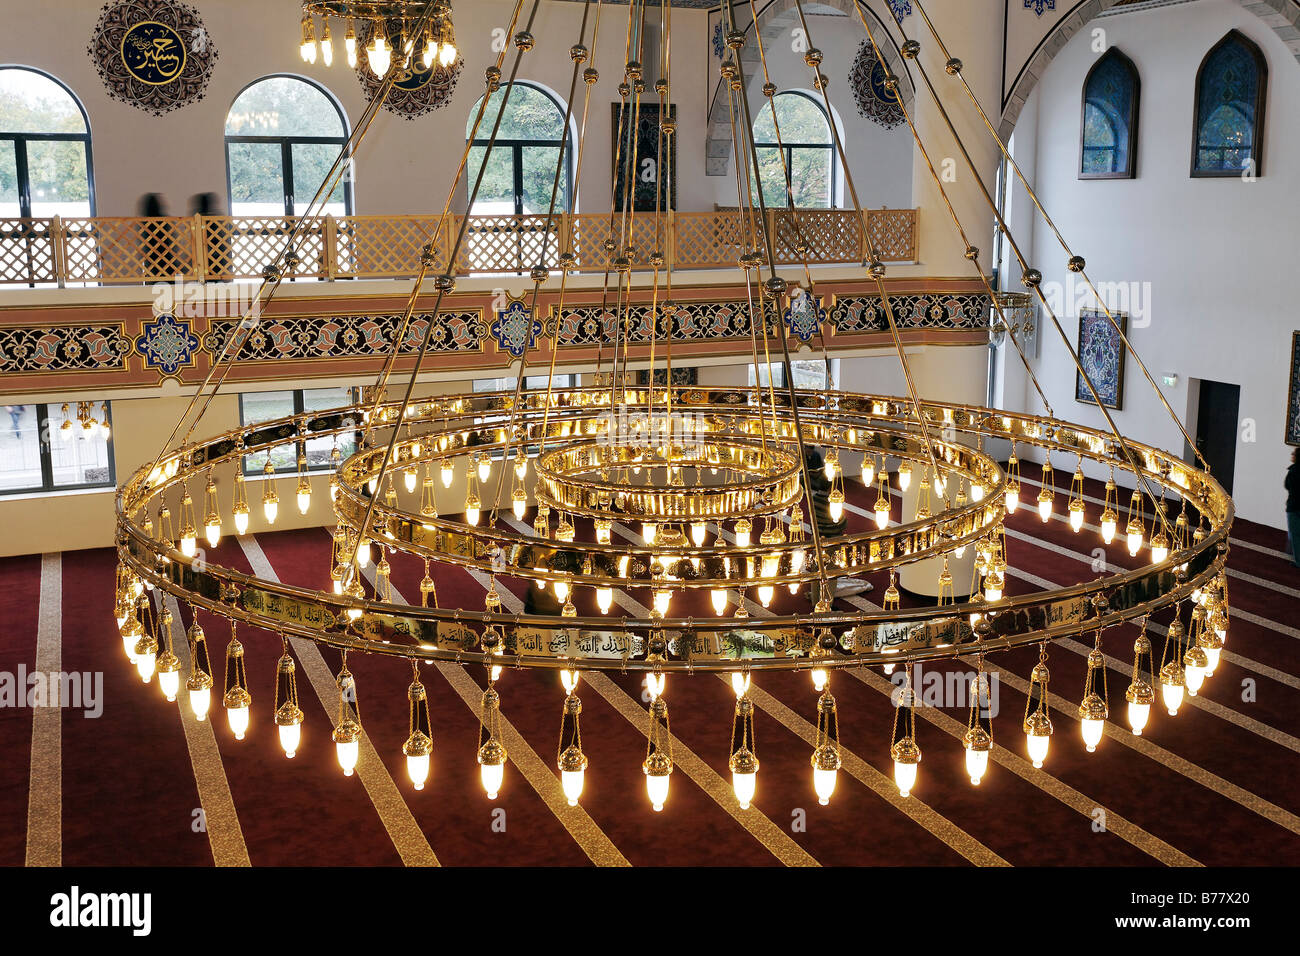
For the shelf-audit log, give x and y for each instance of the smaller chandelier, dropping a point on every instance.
(422, 31)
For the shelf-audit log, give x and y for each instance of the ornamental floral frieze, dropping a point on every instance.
(956, 311)
(344, 336)
(97, 348)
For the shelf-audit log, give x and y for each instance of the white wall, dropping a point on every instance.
(1215, 256)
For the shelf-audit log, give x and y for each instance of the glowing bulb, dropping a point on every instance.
(304, 499)
(977, 764)
(447, 53)
(1013, 500)
(201, 702)
(1138, 715)
(976, 492)
(868, 471)
(270, 508)
(836, 502)
(447, 471)
(904, 476)
(744, 530)
(1037, 744)
(290, 737)
(1195, 664)
(417, 768)
(819, 679)
(604, 599)
(656, 780)
(993, 585)
(1134, 540)
(740, 683)
(569, 681)
(212, 531)
(744, 784)
(519, 504)
(654, 685)
(1173, 697)
(484, 468)
(327, 46)
(1045, 505)
(882, 513)
(663, 598)
(765, 594)
(308, 47)
(561, 590)
(905, 776)
(1093, 729)
(430, 53)
(408, 479)
(472, 509)
(169, 679)
(1159, 549)
(350, 46)
(347, 752)
(363, 553)
(571, 782)
(1212, 660)
(699, 531)
(1109, 525)
(1076, 516)
(648, 531)
(719, 598)
(380, 56)
(237, 716)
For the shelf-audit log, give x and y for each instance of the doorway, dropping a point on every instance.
(1216, 428)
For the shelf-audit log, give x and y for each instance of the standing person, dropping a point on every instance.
(157, 247)
(1292, 485)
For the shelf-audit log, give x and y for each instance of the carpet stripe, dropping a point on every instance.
(220, 819)
(408, 839)
(45, 788)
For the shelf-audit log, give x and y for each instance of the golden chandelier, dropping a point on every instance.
(676, 492)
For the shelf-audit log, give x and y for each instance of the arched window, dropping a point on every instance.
(283, 134)
(1229, 126)
(809, 152)
(1110, 118)
(45, 166)
(520, 173)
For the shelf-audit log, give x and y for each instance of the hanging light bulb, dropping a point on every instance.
(1094, 709)
(146, 657)
(868, 470)
(836, 502)
(904, 476)
(1076, 515)
(604, 527)
(199, 683)
(907, 760)
(239, 510)
(492, 754)
(1037, 724)
(484, 467)
(379, 55)
(1159, 548)
(662, 599)
(519, 503)
(744, 532)
(409, 478)
(699, 532)
(604, 599)
(168, 664)
(978, 745)
(826, 759)
(832, 464)
(993, 585)
(1045, 500)
(447, 52)
(270, 500)
(648, 532)
(447, 471)
(418, 746)
(1172, 685)
(719, 598)
(472, 508)
(326, 43)
(288, 715)
(237, 699)
(347, 730)
(765, 594)
(350, 45)
(1196, 665)
(308, 46)
(430, 50)
(1109, 525)
(1134, 532)
(304, 494)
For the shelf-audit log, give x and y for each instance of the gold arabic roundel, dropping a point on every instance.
(153, 54)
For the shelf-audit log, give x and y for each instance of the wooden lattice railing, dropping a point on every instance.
(107, 251)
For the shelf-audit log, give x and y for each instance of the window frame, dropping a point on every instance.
(1261, 100)
(517, 146)
(789, 148)
(1130, 170)
(46, 445)
(286, 144)
(299, 408)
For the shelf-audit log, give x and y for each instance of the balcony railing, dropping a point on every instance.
(119, 251)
